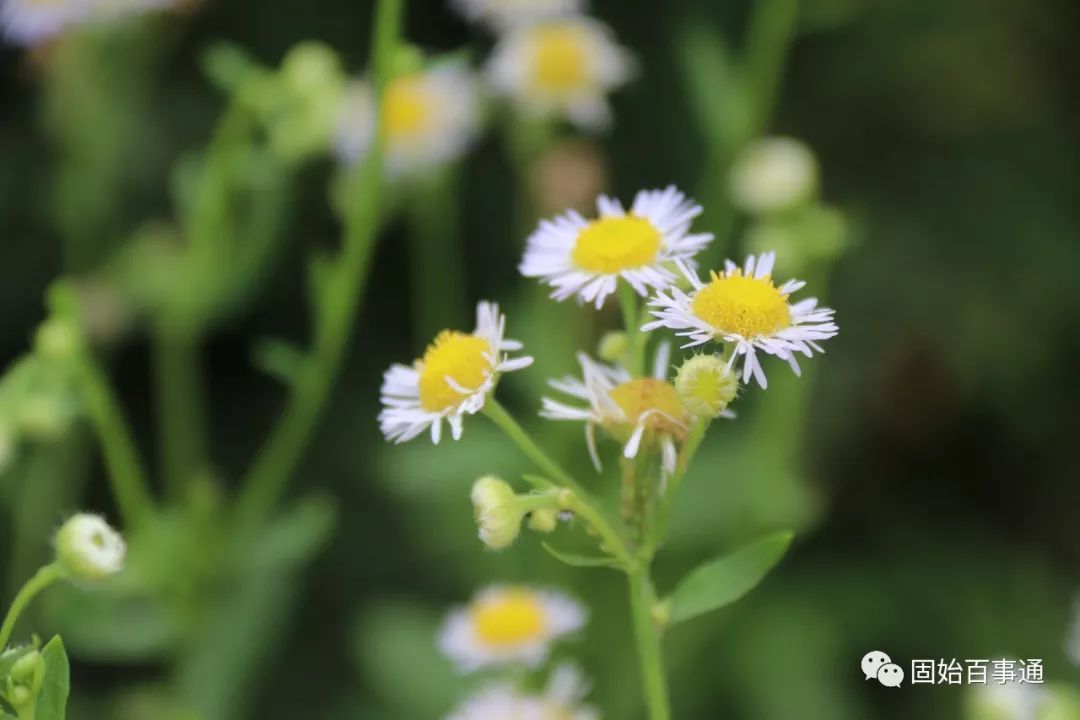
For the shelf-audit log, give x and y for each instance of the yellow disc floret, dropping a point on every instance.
(464, 358)
(613, 244)
(510, 617)
(653, 402)
(407, 108)
(740, 305)
(560, 59)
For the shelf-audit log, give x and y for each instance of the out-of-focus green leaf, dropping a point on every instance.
(396, 647)
(723, 581)
(713, 86)
(292, 539)
(580, 560)
(108, 625)
(52, 703)
(279, 359)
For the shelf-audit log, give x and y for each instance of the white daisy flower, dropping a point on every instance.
(744, 307)
(429, 118)
(502, 15)
(632, 410)
(562, 700)
(508, 624)
(451, 380)
(27, 22)
(587, 258)
(562, 68)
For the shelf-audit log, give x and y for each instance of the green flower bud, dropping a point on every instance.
(773, 175)
(544, 520)
(88, 548)
(498, 512)
(25, 679)
(613, 347)
(57, 338)
(706, 385)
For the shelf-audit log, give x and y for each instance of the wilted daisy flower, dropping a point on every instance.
(428, 118)
(561, 68)
(587, 258)
(632, 410)
(30, 21)
(744, 307)
(452, 379)
(505, 14)
(508, 624)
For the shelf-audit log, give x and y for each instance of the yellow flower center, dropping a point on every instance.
(654, 399)
(407, 108)
(740, 305)
(612, 244)
(560, 59)
(509, 618)
(456, 355)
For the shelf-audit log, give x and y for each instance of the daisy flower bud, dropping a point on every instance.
(498, 512)
(25, 679)
(544, 520)
(706, 385)
(612, 347)
(774, 174)
(88, 548)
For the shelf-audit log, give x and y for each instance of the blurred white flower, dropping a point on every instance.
(451, 380)
(501, 15)
(561, 68)
(428, 118)
(562, 700)
(508, 624)
(744, 307)
(774, 174)
(587, 258)
(27, 22)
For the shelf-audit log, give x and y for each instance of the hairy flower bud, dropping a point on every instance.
(706, 385)
(88, 548)
(497, 510)
(544, 520)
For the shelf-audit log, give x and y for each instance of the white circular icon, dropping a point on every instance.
(874, 661)
(890, 675)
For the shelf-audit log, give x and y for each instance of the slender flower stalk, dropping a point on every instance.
(275, 464)
(44, 577)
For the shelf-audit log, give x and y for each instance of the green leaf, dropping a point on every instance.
(279, 359)
(52, 703)
(580, 560)
(290, 540)
(723, 581)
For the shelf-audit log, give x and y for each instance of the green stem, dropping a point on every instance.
(436, 257)
(42, 579)
(133, 499)
(647, 637)
(608, 536)
(338, 306)
(769, 36)
(497, 414)
(179, 397)
(635, 351)
(658, 529)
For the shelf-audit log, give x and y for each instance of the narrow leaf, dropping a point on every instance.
(580, 560)
(722, 581)
(279, 359)
(52, 703)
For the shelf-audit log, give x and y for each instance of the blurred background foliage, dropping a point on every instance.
(933, 483)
